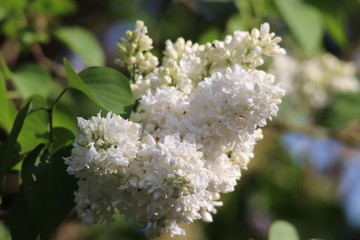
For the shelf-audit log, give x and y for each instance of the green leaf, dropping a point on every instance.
(110, 87)
(7, 108)
(53, 7)
(234, 23)
(210, 35)
(304, 22)
(64, 119)
(62, 137)
(4, 68)
(21, 226)
(282, 230)
(83, 43)
(32, 79)
(341, 110)
(9, 150)
(335, 25)
(107, 87)
(74, 81)
(35, 125)
(4, 232)
(49, 190)
(11, 13)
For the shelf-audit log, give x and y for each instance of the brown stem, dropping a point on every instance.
(345, 135)
(39, 55)
(10, 51)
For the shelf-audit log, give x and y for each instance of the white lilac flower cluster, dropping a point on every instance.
(315, 80)
(194, 129)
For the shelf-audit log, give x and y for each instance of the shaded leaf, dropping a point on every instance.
(9, 150)
(335, 25)
(35, 125)
(32, 79)
(282, 230)
(7, 108)
(62, 137)
(83, 43)
(49, 190)
(21, 226)
(304, 22)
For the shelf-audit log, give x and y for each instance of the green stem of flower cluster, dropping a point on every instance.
(49, 111)
(50, 114)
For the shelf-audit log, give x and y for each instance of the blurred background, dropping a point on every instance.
(306, 170)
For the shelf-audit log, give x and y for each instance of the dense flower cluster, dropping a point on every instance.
(314, 80)
(194, 129)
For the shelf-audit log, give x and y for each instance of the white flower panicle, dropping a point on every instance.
(101, 159)
(174, 185)
(227, 107)
(315, 80)
(104, 145)
(134, 52)
(247, 48)
(185, 64)
(194, 129)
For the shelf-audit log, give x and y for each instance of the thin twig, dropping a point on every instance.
(317, 131)
(39, 55)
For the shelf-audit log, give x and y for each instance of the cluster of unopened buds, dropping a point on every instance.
(194, 129)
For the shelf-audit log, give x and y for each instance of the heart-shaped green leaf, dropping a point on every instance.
(107, 87)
